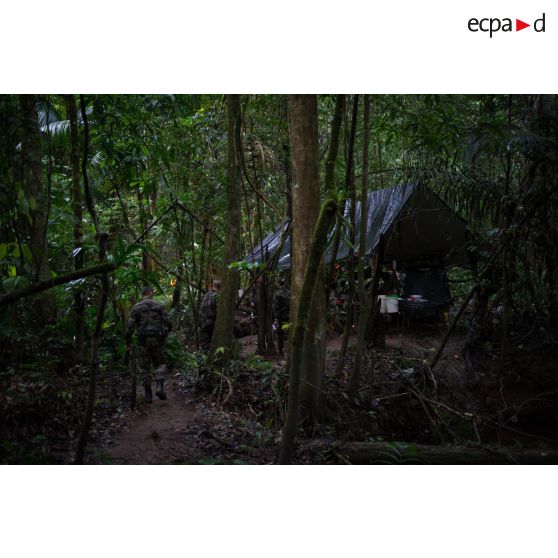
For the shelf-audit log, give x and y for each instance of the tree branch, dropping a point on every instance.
(41, 286)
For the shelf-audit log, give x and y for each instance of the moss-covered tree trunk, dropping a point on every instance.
(303, 326)
(308, 279)
(224, 326)
(35, 222)
(303, 132)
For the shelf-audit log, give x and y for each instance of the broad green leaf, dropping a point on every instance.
(12, 283)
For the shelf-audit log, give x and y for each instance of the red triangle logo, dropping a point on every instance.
(519, 25)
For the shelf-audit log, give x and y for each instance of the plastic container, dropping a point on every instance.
(392, 304)
(389, 304)
(382, 299)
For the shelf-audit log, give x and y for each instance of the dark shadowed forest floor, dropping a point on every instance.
(194, 427)
(234, 415)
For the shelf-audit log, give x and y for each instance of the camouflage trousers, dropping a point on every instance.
(206, 333)
(150, 360)
(282, 335)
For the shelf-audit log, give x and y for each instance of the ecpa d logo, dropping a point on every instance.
(493, 25)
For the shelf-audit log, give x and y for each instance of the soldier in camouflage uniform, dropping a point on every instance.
(281, 311)
(208, 314)
(153, 324)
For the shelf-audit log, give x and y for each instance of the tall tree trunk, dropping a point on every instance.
(329, 178)
(36, 226)
(176, 295)
(303, 130)
(364, 301)
(224, 326)
(146, 257)
(103, 296)
(77, 201)
(201, 280)
(507, 256)
(350, 185)
(266, 345)
(331, 159)
(94, 364)
(302, 326)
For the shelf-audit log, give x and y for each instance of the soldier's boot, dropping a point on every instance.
(160, 389)
(148, 393)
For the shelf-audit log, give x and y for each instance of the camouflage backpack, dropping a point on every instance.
(151, 319)
(208, 311)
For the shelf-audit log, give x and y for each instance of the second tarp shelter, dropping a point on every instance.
(416, 224)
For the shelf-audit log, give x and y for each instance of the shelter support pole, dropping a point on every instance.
(377, 263)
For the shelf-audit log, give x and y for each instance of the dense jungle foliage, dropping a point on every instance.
(141, 182)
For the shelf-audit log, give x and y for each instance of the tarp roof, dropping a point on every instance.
(414, 220)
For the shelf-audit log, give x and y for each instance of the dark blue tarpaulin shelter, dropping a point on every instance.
(415, 221)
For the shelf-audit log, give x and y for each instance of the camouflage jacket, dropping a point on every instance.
(208, 311)
(281, 304)
(150, 319)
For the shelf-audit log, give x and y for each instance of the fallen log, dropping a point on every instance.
(370, 453)
(35, 288)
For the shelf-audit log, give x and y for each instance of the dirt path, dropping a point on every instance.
(153, 434)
